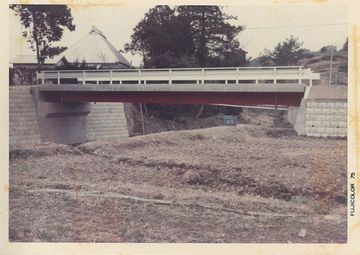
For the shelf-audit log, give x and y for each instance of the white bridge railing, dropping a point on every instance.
(226, 75)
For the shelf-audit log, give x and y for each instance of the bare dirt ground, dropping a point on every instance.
(224, 184)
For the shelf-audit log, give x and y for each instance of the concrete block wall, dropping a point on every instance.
(106, 120)
(326, 118)
(23, 123)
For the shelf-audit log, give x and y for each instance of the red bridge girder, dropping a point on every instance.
(178, 97)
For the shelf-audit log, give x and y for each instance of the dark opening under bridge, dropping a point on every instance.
(275, 86)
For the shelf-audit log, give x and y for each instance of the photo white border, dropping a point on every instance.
(351, 247)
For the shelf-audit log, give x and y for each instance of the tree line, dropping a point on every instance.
(187, 36)
(182, 36)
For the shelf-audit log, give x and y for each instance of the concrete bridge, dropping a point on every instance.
(63, 98)
(232, 94)
(229, 85)
(222, 75)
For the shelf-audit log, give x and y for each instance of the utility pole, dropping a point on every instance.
(331, 58)
(336, 77)
(142, 119)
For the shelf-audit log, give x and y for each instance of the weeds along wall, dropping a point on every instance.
(104, 120)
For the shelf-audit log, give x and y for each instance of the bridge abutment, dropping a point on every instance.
(322, 112)
(63, 123)
(33, 121)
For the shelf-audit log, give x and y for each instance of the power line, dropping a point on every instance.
(245, 28)
(296, 26)
(116, 27)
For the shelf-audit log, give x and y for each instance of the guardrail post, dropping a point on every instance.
(300, 74)
(202, 75)
(170, 76)
(83, 80)
(275, 74)
(43, 78)
(111, 76)
(139, 76)
(237, 75)
(58, 77)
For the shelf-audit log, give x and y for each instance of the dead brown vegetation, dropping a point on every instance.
(224, 184)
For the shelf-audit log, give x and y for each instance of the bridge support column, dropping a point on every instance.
(63, 123)
(296, 116)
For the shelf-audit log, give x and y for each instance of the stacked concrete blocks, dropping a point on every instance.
(106, 121)
(327, 118)
(32, 121)
(23, 124)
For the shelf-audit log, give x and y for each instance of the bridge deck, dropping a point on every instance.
(227, 75)
(240, 94)
(177, 88)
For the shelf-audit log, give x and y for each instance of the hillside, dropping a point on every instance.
(321, 64)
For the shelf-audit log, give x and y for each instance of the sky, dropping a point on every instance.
(265, 26)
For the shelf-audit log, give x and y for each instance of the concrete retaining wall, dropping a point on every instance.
(31, 123)
(300, 118)
(323, 112)
(106, 120)
(326, 118)
(23, 124)
(292, 114)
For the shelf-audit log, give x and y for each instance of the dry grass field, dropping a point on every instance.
(238, 184)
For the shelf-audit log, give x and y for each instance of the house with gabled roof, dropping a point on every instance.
(93, 50)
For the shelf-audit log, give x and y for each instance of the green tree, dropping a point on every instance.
(187, 36)
(323, 49)
(161, 38)
(266, 59)
(213, 36)
(43, 25)
(286, 53)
